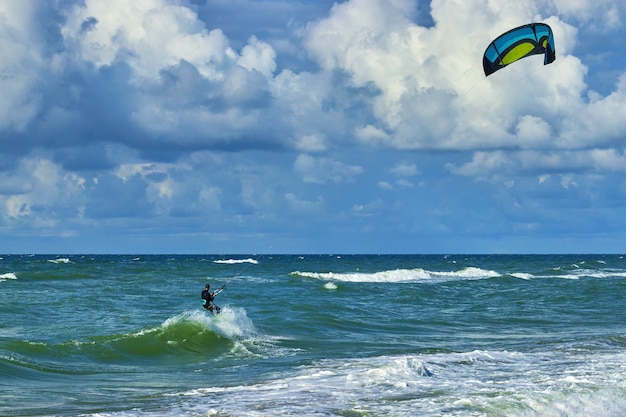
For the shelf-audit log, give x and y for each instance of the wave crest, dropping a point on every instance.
(60, 261)
(8, 276)
(402, 275)
(236, 261)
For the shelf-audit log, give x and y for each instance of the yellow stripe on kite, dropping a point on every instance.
(520, 51)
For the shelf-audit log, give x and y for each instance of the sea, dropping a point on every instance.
(313, 335)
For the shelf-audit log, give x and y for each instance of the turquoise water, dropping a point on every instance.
(313, 335)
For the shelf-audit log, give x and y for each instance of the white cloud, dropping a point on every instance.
(533, 130)
(496, 164)
(258, 56)
(405, 169)
(324, 170)
(432, 90)
(367, 210)
(148, 34)
(185, 77)
(46, 195)
(425, 86)
(126, 171)
(482, 163)
(601, 122)
(384, 185)
(143, 110)
(300, 205)
(403, 182)
(605, 15)
(153, 35)
(371, 134)
(20, 63)
(375, 43)
(311, 143)
(568, 181)
(608, 160)
(17, 206)
(210, 198)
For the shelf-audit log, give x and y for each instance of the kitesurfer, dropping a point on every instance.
(207, 299)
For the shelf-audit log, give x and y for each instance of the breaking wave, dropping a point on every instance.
(402, 275)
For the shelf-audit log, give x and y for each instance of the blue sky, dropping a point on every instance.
(269, 126)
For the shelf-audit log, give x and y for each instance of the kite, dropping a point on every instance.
(518, 43)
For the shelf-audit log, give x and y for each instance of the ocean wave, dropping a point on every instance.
(402, 275)
(511, 383)
(330, 286)
(573, 274)
(60, 261)
(7, 276)
(18, 367)
(430, 385)
(188, 337)
(598, 273)
(231, 323)
(236, 261)
(522, 275)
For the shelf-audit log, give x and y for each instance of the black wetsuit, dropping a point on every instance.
(207, 299)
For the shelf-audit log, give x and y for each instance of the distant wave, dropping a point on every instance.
(402, 275)
(522, 275)
(470, 273)
(5, 277)
(60, 261)
(574, 274)
(236, 261)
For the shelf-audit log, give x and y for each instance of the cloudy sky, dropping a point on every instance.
(301, 126)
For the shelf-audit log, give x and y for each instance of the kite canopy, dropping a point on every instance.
(518, 43)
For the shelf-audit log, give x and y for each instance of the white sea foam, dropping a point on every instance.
(452, 384)
(231, 323)
(403, 275)
(522, 275)
(7, 276)
(60, 261)
(330, 286)
(575, 274)
(579, 273)
(236, 261)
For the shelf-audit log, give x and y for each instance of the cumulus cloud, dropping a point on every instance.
(493, 165)
(405, 169)
(149, 35)
(154, 109)
(21, 61)
(40, 184)
(404, 85)
(431, 92)
(323, 170)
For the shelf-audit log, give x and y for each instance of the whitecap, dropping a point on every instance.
(330, 286)
(231, 323)
(522, 275)
(60, 261)
(236, 261)
(402, 275)
(8, 276)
